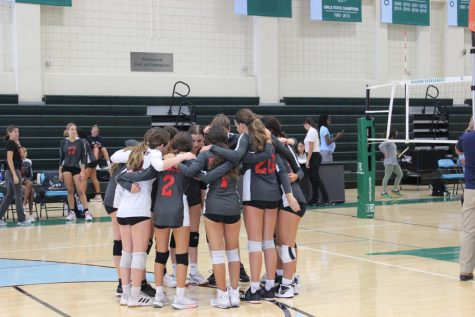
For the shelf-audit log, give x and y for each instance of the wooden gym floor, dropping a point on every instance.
(402, 263)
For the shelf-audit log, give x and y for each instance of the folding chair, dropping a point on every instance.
(51, 194)
(450, 174)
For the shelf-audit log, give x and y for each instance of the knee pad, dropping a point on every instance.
(138, 260)
(182, 259)
(117, 248)
(162, 257)
(233, 255)
(194, 239)
(149, 247)
(268, 244)
(126, 259)
(287, 254)
(172, 242)
(254, 246)
(218, 257)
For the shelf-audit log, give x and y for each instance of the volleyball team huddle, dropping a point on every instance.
(161, 186)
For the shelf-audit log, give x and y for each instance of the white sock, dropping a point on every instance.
(135, 292)
(159, 289)
(108, 163)
(126, 290)
(269, 284)
(174, 269)
(180, 292)
(193, 268)
(255, 287)
(279, 272)
(286, 281)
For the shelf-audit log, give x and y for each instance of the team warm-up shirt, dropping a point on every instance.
(222, 197)
(138, 204)
(89, 153)
(15, 148)
(466, 144)
(170, 203)
(296, 190)
(99, 140)
(72, 154)
(240, 151)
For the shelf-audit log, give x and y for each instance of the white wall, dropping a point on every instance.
(85, 50)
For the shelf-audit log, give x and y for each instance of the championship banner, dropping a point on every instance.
(457, 11)
(412, 12)
(268, 8)
(335, 10)
(63, 3)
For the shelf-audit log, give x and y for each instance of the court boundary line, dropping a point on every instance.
(42, 302)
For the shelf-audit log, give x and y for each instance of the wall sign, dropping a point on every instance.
(151, 62)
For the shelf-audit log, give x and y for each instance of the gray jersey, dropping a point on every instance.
(72, 154)
(222, 197)
(170, 200)
(390, 149)
(296, 190)
(109, 197)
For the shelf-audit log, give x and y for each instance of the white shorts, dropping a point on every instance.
(186, 212)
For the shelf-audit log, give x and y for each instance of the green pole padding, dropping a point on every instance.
(366, 169)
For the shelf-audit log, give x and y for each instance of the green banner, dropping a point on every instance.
(457, 12)
(336, 10)
(64, 3)
(269, 8)
(413, 12)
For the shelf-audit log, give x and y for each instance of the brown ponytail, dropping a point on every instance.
(9, 129)
(257, 130)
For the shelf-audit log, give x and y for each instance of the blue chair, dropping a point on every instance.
(52, 192)
(451, 174)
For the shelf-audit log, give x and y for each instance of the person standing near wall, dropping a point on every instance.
(391, 165)
(327, 141)
(13, 178)
(314, 160)
(466, 145)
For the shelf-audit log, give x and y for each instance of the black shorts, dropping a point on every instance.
(261, 204)
(72, 170)
(165, 227)
(131, 220)
(193, 194)
(227, 220)
(110, 209)
(300, 213)
(92, 164)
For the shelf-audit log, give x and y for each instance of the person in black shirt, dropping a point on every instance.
(97, 144)
(72, 161)
(13, 178)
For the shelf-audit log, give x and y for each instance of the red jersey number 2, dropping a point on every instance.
(261, 167)
(170, 180)
(224, 182)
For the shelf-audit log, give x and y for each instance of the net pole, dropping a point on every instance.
(391, 103)
(406, 90)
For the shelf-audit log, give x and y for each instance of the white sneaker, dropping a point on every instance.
(234, 297)
(197, 279)
(88, 216)
(161, 300)
(285, 291)
(169, 280)
(142, 300)
(97, 198)
(184, 303)
(3, 223)
(71, 216)
(296, 284)
(221, 300)
(124, 300)
(25, 223)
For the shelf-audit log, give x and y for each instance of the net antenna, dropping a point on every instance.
(456, 89)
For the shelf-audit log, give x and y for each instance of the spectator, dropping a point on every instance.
(28, 191)
(97, 144)
(327, 141)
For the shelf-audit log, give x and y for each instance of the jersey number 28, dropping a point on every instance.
(266, 167)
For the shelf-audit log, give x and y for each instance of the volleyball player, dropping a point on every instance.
(72, 162)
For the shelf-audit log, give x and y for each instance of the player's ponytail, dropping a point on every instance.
(257, 130)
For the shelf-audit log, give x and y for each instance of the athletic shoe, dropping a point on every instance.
(147, 289)
(197, 279)
(296, 284)
(465, 278)
(161, 300)
(243, 277)
(25, 223)
(234, 298)
(277, 281)
(285, 291)
(88, 216)
(386, 195)
(221, 300)
(3, 223)
(268, 294)
(97, 198)
(124, 299)
(142, 300)
(31, 218)
(169, 280)
(212, 279)
(397, 193)
(184, 303)
(119, 291)
(71, 216)
(252, 298)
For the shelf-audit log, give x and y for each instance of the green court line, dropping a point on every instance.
(61, 221)
(449, 254)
